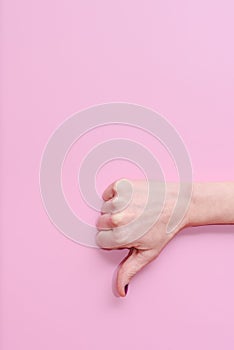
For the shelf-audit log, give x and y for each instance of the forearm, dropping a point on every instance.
(212, 203)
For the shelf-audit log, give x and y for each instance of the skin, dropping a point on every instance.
(211, 203)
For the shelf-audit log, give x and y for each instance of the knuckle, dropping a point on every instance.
(119, 182)
(117, 219)
(115, 202)
(99, 240)
(98, 222)
(118, 203)
(119, 237)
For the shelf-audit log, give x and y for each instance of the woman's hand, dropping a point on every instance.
(145, 237)
(211, 203)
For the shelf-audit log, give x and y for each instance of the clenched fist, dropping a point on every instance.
(135, 216)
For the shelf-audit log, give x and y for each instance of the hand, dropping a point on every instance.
(144, 244)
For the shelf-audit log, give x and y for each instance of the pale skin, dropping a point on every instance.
(211, 203)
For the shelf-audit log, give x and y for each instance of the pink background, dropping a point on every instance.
(59, 57)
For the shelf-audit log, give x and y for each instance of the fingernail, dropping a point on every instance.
(126, 289)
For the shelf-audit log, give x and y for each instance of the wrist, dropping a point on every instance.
(212, 203)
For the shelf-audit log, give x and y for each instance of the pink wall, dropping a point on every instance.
(62, 56)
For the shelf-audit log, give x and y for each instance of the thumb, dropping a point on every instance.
(130, 265)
